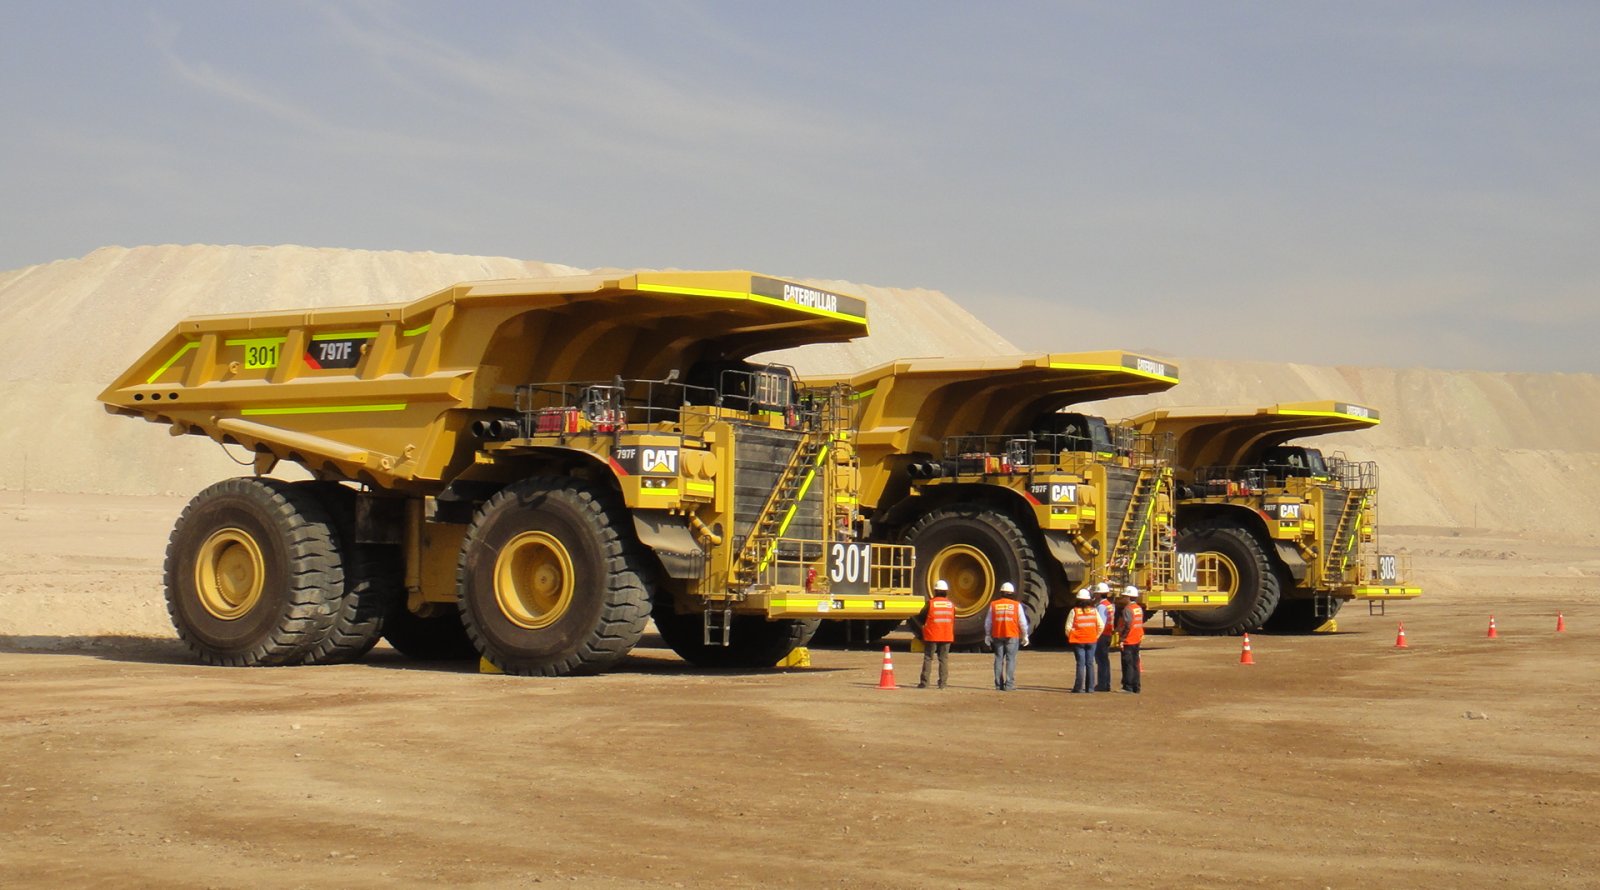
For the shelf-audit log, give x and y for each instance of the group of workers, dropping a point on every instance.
(1090, 626)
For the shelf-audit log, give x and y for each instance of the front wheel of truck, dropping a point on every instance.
(551, 580)
(975, 549)
(1243, 571)
(254, 575)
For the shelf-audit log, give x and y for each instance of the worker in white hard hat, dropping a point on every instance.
(1005, 628)
(938, 622)
(1102, 646)
(1130, 626)
(1083, 630)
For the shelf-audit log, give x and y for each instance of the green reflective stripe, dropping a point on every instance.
(789, 517)
(192, 344)
(324, 409)
(415, 331)
(863, 394)
(252, 341)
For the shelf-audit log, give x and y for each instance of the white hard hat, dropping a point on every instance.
(1007, 588)
(940, 585)
(1130, 592)
(1102, 587)
(1084, 594)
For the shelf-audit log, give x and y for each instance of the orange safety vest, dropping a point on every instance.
(1135, 626)
(1111, 618)
(1004, 620)
(940, 627)
(1082, 626)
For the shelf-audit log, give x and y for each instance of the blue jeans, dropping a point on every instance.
(1102, 664)
(1005, 662)
(1083, 659)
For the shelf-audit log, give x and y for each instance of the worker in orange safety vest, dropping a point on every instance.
(938, 620)
(1130, 625)
(1102, 646)
(1084, 625)
(1005, 627)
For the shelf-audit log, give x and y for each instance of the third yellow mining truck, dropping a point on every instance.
(976, 463)
(1290, 532)
(528, 470)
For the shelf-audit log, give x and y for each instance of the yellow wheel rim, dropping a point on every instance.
(969, 574)
(1217, 572)
(533, 580)
(229, 574)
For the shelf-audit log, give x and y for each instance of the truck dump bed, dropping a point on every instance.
(1205, 437)
(383, 394)
(914, 406)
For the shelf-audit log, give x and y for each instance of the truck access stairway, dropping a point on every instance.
(793, 484)
(1343, 542)
(1136, 521)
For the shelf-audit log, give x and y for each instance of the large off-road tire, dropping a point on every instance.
(1051, 631)
(437, 635)
(1245, 572)
(974, 550)
(373, 581)
(551, 580)
(1299, 616)
(847, 634)
(253, 574)
(753, 642)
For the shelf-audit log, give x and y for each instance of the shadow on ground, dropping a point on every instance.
(161, 650)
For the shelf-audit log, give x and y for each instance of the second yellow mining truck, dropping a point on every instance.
(524, 469)
(976, 464)
(1290, 532)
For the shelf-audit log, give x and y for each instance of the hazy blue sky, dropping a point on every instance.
(1342, 183)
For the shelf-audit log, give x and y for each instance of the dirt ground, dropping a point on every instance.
(1335, 761)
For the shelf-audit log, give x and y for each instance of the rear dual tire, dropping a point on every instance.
(254, 574)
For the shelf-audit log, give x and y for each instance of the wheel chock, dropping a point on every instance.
(1331, 626)
(799, 658)
(485, 666)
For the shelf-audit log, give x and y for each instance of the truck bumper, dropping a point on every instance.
(837, 606)
(1386, 592)
(1179, 601)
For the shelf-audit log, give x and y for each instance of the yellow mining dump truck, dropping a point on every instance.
(975, 464)
(1291, 533)
(525, 469)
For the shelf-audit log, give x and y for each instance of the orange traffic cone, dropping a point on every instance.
(1400, 638)
(1492, 632)
(886, 679)
(1244, 654)
(1561, 623)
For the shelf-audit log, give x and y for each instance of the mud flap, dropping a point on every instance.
(1290, 555)
(1066, 556)
(670, 538)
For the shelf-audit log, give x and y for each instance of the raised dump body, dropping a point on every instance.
(975, 463)
(532, 467)
(1291, 532)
